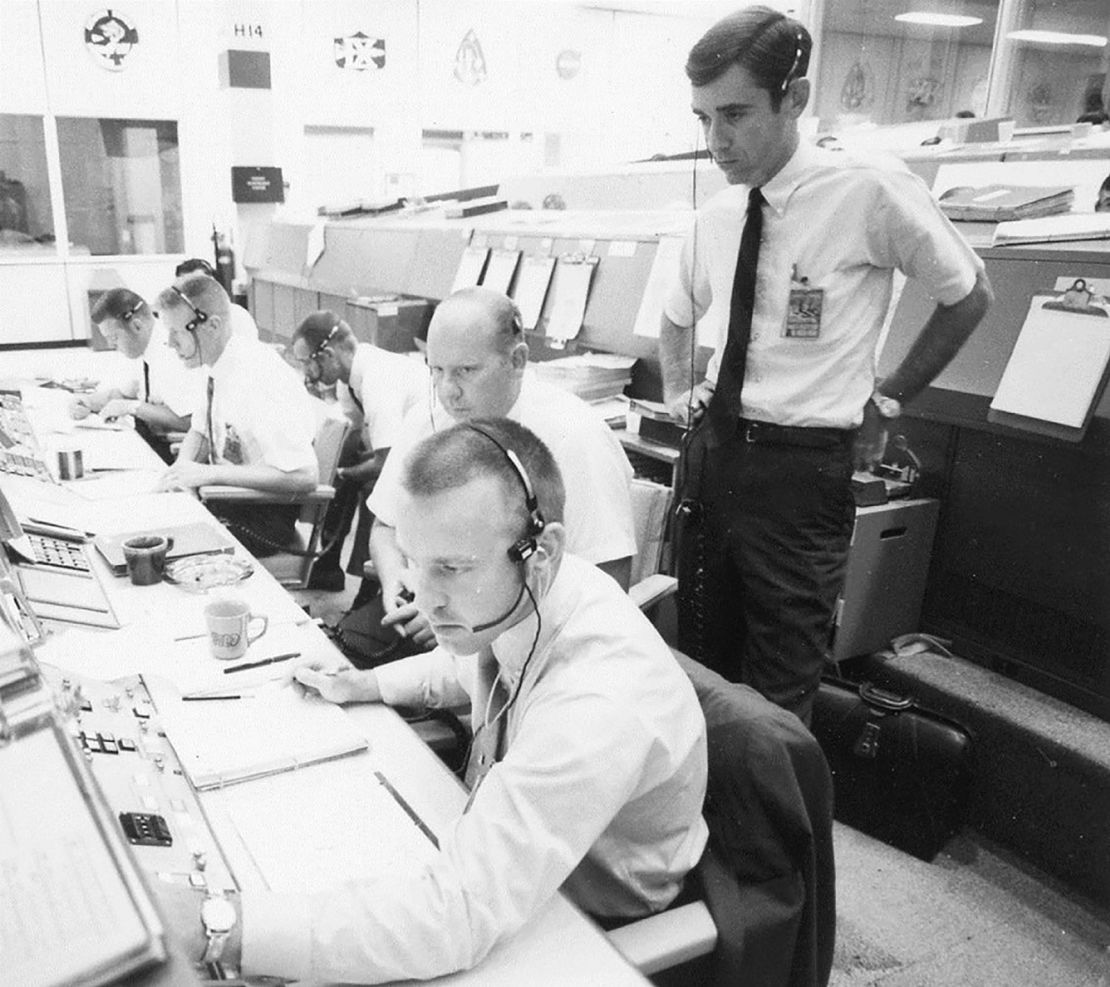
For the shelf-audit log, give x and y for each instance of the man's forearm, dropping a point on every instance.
(387, 557)
(939, 341)
(675, 358)
(161, 417)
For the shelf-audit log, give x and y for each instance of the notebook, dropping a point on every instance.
(999, 203)
(1052, 229)
(198, 538)
(273, 730)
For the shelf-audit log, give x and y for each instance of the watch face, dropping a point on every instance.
(218, 914)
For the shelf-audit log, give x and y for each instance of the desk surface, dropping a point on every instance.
(162, 633)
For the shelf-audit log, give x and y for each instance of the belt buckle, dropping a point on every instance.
(751, 433)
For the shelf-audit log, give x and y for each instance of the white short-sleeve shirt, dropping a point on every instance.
(595, 470)
(261, 412)
(387, 385)
(172, 384)
(844, 225)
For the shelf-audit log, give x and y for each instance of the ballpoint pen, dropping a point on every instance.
(205, 699)
(264, 661)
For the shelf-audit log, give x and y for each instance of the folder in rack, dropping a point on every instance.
(1057, 370)
(999, 203)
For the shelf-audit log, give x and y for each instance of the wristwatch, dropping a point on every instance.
(219, 917)
(888, 408)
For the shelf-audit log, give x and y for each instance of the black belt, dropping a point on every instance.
(768, 433)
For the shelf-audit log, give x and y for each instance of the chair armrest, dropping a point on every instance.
(651, 589)
(662, 941)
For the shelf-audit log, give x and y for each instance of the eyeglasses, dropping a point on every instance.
(199, 315)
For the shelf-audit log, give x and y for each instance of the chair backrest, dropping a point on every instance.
(328, 445)
(769, 810)
(650, 504)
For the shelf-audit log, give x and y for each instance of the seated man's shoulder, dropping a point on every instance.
(555, 409)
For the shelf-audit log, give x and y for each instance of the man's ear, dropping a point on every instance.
(797, 96)
(550, 544)
(519, 356)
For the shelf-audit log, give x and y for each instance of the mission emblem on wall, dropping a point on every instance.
(358, 52)
(109, 38)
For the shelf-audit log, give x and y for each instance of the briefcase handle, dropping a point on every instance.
(885, 699)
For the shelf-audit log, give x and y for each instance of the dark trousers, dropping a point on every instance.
(337, 522)
(763, 534)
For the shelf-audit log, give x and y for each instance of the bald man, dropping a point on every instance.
(478, 360)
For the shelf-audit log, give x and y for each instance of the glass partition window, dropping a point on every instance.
(1057, 61)
(26, 217)
(121, 183)
(901, 61)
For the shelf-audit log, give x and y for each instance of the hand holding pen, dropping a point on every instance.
(337, 683)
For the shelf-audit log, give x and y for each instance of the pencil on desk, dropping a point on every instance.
(204, 699)
(264, 661)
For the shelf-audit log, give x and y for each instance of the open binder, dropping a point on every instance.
(245, 736)
(61, 852)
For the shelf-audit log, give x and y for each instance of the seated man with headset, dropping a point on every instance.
(587, 771)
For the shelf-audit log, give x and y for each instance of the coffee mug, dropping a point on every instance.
(146, 558)
(229, 623)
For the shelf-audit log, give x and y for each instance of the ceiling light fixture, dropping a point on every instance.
(1058, 38)
(937, 20)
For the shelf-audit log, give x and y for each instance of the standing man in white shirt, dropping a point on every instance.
(478, 358)
(256, 423)
(375, 388)
(158, 391)
(796, 260)
(588, 770)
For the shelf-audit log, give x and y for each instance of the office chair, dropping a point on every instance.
(651, 503)
(292, 568)
(769, 912)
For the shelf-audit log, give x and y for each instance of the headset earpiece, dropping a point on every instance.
(789, 77)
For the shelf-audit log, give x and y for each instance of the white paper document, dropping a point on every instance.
(471, 265)
(500, 270)
(531, 287)
(224, 741)
(1056, 366)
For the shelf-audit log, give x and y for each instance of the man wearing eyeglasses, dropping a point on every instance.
(375, 388)
(254, 426)
(156, 389)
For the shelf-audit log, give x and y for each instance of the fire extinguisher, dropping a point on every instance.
(225, 260)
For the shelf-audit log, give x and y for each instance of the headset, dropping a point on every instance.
(526, 546)
(789, 77)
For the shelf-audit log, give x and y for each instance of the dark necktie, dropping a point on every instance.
(146, 382)
(725, 407)
(208, 422)
(489, 713)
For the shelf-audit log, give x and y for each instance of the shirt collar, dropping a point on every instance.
(778, 190)
(230, 360)
(512, 649)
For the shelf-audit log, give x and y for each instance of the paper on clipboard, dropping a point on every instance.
(663, 274)
(1056, 366)
(500, 269)
(471, 265)
(571, 291)
(531, 287)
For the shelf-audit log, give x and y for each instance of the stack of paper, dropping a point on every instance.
(999, 203)
(592, 376)
(1072, 226)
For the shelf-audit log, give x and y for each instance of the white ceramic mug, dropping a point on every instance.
(229, 623)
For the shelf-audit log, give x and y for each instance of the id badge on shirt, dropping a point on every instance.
(803, 313)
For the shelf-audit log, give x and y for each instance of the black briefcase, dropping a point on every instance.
(900, 773)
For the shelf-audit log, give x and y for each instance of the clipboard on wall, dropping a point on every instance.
(1059, 366)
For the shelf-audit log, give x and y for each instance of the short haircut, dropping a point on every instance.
(771, 47)
(194, 265)
(502, 312)
(204, 292)
(118, 303)
(316, 328)
(454, 457)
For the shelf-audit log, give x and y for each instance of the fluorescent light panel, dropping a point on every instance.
(1058, 38)
(937, 20)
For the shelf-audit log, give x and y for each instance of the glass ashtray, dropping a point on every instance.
(200, 573)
